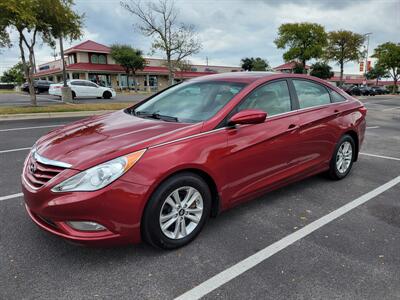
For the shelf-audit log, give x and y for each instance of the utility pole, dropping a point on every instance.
(66, 94)
(366, 56)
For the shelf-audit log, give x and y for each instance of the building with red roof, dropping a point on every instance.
(92, 61)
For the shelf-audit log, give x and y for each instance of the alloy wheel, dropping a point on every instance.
(181, 212)
(344, 157)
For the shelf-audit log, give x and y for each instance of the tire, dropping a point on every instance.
(107, 95)
(159, 209)
(337, 170)
(73, 95)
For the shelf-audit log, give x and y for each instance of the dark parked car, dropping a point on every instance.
(361, 91)
(40, 86)
(380, 90)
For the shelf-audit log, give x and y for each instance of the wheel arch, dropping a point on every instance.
(209, 180)
(354, 136)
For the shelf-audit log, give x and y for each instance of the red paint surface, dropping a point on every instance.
(243, 161)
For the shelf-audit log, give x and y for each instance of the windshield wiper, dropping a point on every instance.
(155, 115)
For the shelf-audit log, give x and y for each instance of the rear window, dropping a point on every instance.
(311, 94)
(336, 97)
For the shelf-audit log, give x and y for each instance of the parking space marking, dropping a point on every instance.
(372, 127)
(255, 259)
(392, 108)
(11, 196)
(14, 150)
(380, 156)
(34, 127)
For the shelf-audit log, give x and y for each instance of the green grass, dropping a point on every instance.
(7, 110)
(7, 91)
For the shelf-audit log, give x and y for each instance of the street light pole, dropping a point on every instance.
(66, 93)
(366, 56)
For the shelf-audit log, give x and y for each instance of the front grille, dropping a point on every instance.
(37, 174)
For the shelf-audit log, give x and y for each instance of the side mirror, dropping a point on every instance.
(248, 116)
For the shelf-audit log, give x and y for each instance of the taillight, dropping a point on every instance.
(363, 110)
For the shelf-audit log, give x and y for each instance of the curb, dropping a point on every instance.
(50, 115)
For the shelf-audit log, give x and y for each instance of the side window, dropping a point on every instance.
(80, 83)
(336, 97)
(90, 84)
(311, 94)
(273, 98)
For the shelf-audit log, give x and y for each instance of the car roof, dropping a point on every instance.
(236, 76)
(252, 76)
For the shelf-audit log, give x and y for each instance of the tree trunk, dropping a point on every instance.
(32, 91)
(304, 66)
(341, 74)
(170, 71)
(27, 72)
(134, 81)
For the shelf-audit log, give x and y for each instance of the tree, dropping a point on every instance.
(255, 64)
(377, 72)
(49, 18)
(321, 70)
(182, 66)
(14, 74)
(299, 68)
(344, 46)
(388, 55)
(130, 59)
(159, 20)
(304, 41)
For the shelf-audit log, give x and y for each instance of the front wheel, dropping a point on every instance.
(107, 95)
(177, 211)
(342, 158)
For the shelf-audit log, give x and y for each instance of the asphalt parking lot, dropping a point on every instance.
(274, 247)
(12, 99)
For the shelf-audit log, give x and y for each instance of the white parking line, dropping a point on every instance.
(11, 196)
(392, 108)
(255, 259)
(380, 156)
(34, 127)
(14, 150)
(372, 127)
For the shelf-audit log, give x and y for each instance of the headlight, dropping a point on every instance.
(99, 176)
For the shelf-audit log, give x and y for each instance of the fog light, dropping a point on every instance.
(86, 226)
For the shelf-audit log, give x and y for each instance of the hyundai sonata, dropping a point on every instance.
(158, 170)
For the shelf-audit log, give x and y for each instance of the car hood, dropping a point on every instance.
(91, 141)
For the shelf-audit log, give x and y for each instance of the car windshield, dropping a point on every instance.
(189, 102)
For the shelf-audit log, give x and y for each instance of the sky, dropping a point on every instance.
(232, 29)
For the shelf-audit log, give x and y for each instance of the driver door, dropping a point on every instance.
(260, 154)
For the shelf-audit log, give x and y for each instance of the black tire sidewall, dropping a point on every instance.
(334, 172)
(151, 231)
(107, 95)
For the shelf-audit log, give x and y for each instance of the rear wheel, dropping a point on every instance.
(177, 211)
(107, 95)
(73, 95)
(343, 157)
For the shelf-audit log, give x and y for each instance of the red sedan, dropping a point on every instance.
(157, 170)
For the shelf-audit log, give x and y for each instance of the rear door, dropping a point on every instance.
(318, 132)
(260, 153)
(92, 89)
(79, 87)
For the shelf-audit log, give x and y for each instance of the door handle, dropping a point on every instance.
(292, 127)
(336, 112)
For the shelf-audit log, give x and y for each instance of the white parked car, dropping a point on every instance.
(83, 89)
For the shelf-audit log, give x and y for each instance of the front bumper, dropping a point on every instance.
(118, 207)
